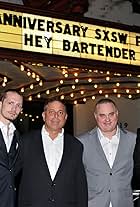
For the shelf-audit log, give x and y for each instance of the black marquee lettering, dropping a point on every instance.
(28, 39)
(137, 40)
(67, 29)
(75, 47)
(66, 45)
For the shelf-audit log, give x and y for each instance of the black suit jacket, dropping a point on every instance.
(69, 187)
(7, 171)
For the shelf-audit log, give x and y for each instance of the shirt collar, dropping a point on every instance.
(114, 139)
(60, 135)
(11, 126)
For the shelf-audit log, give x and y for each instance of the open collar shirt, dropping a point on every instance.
(8, 133)
(110, 146)
(53, 150)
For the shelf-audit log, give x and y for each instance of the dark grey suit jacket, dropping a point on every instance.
(107, 184)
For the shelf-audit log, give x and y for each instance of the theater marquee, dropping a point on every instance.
(48, 35)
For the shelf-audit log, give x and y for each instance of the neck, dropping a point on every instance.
(109, 135)
(53, 133)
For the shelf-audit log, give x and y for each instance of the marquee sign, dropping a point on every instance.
(28, 32)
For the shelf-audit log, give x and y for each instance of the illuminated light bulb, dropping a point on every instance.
(115, 90)
(100, 91)
(138, 84)
(30, 98)
(5, 79)
(22, 90)
(37, 78)
(117, 84)
(33, 75)
(127, 90)
(66, 75)
(72, 95)
(38, 95)
(106, 95)
(129, 96)
(76, 80)
(30, 115)
(37, 117)
(47, 92)
(82, 92)
(118, 95)
(95, 86)
(75, 102)
(3, 84)
(21, 67)
(57, 90)
(61, 81)
(28, 73)
(93, 97)
(62, 97)
(73, 87)
(90, 80)
(84, 99)
(107, 72)
(26, 114)
(33, 120)
(41, 83)
(21, 120)
(137, 91)
(107, 78)
(75, 74)
(31, 86)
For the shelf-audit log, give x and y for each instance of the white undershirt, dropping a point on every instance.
(8, 133)
(110, 146)
(53, 150)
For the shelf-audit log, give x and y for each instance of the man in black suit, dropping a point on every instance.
(10, 107)
(52, 173)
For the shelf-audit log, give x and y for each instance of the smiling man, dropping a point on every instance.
(52, 173)
(108, 159)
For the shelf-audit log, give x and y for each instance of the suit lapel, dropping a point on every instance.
(3, 151)
(15, 145)
(121, 147)
(100, 149)
(65, 156)
(41, 154)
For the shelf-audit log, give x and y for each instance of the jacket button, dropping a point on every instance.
(110, 173)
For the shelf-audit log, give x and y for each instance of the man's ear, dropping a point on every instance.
(43, 115)
(66, 116)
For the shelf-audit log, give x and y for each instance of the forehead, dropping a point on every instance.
(14, 97)
(56, 105)
(105, 108)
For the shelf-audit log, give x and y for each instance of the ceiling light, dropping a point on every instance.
(47, 92)
(61, 81)
(73, 86)
(57, 90)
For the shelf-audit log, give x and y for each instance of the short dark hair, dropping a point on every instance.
(50, 100)
(105, 100)
(4, 94)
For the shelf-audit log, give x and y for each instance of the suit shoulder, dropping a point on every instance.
(88, 136)
(74, 140)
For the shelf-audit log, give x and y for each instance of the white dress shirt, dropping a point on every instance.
(110, 146)
(8, 133)
(53, 150)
